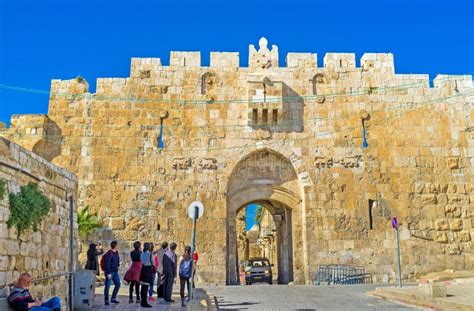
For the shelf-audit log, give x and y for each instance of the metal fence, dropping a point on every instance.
(342, 275)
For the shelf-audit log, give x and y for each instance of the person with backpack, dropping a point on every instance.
(110, 263)
(185, 272)
(133, 274)
(155, 267)
(146, 274)
(92, 254)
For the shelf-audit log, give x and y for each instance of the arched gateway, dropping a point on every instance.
(268, 178)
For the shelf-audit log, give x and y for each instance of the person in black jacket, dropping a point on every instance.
(92, 261)
(146, 274)
(169, 270)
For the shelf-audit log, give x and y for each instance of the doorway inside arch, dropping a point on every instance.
(263, 230)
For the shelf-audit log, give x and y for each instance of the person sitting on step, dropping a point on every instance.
(20, 298)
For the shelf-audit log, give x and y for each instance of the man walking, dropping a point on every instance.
(161, 278)
(111, 264)
(20, 298)
(169, 270)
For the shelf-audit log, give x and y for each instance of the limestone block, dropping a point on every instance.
(455, 224)
(225, 59)
(306, 60)
(427, 199)
(463, 236)
(117, 223)
(453, 249)
(434, 290)
(441, 224)
(440, 237)
(339, 61)
(378, 62)
(452, 163)
(185, 59)
(3, 231)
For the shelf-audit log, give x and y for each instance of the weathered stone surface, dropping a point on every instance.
(47, 251)
(291, 137)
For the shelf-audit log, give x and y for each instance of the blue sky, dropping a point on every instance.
(43, 40)
(250, 213)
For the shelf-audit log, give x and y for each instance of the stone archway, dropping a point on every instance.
(268, 178)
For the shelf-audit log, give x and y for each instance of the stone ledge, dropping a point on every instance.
(458, 298)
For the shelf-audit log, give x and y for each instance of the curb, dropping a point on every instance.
(420, 300)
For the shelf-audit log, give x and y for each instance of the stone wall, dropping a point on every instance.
(45, 252)
(418, 165)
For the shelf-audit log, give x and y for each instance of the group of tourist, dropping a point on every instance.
(147, 268)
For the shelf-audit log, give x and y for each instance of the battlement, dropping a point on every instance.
(225, 59)
(70, 87)
(185, 59)
(309, 60)
(339, 62)
(378, 62)
(154, 78)
(453, 83)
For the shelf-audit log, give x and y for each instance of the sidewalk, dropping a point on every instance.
(460, 296)
(200, 302)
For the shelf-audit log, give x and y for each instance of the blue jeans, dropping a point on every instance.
(150, 290)
(108, 282)
(53, 303)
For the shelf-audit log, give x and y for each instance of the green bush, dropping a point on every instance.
(3, 188)
(87, 221)
(28, 208)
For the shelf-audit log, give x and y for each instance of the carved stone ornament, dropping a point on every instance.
(264, 58)
(263, 134)
(182, 163)
(363, 114)
(163, 114)
(208, 164)
(347, 162)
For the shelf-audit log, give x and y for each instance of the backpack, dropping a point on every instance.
(185, 269)
(102, 261)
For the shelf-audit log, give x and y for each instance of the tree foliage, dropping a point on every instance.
(87, 221)
(258, 214)
(3, 188)
(28, 208)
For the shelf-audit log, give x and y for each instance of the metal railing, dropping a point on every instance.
(342, 275)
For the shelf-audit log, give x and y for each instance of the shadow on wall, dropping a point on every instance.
(50, 146)
(293, 110)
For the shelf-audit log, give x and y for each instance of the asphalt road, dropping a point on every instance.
(284, 297)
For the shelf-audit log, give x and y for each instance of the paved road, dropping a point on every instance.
(281, 297)
(126, 306)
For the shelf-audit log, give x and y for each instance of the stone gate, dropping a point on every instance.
(332, 151)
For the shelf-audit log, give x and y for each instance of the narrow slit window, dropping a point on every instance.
(255, 116)
(371, 222)
(265, 116)
(275, 116)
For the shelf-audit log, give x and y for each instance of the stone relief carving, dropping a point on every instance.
(320, 99)
(186, 163)
(182, 163)
(265, 165)
(208, 164)
(262, 134)
(347, 162)
(208, 86)
(263, 58)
